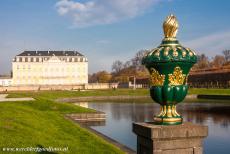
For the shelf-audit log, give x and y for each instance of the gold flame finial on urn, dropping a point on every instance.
(170, 26)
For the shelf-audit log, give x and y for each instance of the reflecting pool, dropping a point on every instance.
(120, 117)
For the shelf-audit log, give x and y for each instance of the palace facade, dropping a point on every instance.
(50, 68)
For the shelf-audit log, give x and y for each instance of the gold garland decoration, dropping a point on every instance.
(177, 78)
(156, 78)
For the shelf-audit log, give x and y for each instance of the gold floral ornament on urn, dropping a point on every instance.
(169, 65)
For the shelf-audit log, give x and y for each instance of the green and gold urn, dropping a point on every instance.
(169, 65)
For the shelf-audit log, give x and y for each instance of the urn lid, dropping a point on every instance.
(170, 50)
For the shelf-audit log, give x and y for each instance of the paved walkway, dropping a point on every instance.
(4, 99)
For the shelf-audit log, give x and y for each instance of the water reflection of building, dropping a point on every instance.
(50, 68)
(93, 123)
(196, 113)
(82, 104)
(219, 114)
(136, 111)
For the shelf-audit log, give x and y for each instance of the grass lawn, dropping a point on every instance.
(206, 91)
(52, 95)
(41, 123)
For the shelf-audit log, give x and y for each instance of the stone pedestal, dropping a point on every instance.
(186, 138)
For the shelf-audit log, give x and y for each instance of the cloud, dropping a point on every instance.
(99, 12)
(211, 44)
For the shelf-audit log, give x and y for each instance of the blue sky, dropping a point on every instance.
(108, 30)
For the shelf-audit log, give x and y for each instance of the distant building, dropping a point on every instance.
(210, 78)
(5, 81)
(50, 68)
(140, 82)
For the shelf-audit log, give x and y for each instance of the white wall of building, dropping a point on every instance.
(5, 82)
(52, 70)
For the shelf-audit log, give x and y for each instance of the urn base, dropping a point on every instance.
(168, 116)
(167, 121)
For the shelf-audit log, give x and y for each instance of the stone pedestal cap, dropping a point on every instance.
(185, 130)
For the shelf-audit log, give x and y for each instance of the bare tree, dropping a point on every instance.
(218, 61)
(117, 66)
(136, 61)
(202, 62)
(93, 78)
(101, 77)
(104, 77)
(127, 64)
(226, 55)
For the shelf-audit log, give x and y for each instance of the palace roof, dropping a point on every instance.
(50, 53)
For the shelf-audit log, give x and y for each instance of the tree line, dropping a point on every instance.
(126, 71)
(215, 62)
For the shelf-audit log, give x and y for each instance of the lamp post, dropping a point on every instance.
(134, 82)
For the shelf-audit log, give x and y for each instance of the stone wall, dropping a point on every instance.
(60, 87)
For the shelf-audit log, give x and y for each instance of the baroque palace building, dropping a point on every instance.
(50, 68)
